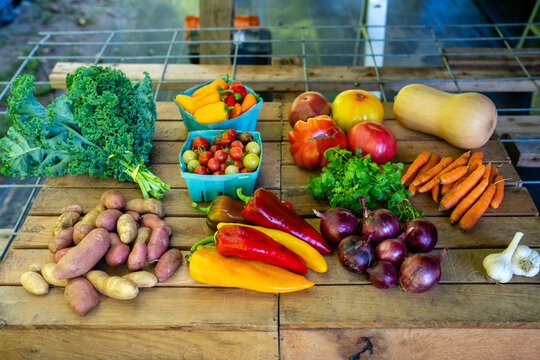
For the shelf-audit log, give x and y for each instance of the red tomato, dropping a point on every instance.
(200, 143)
(373, 138)
(217, 140)
(232, 132)
(227, 139)
(223, 166)
(204, 157)
(310, 139)
(245, 170)
(237, 143)
(239, 164)
(201, 170)
(213, 164)
(236, 153)
(221, 156)
(219, 172)
(214, 148)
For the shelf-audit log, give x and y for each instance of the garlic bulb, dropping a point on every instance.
(525, 261)
(499, 266)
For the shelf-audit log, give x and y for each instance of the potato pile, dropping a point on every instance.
(118, 232)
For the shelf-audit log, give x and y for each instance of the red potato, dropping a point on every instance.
(84, 256)
(167, 264)
(137, 258)
(108, 219)
(81, 295)
(158, 244)
(135, 215)
(153, 222)
(115, 239)
(113, 199)
(60, 253)
(80, 231)
(62, 240)
(73, 207)
(117, 255)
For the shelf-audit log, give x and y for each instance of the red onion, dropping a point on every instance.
(337, 223)
(383, 275)
(378, 224)
(392, 250)
(355, 253)
(421, 272)
(421, 235)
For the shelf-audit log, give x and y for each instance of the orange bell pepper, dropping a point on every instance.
(248, 102)
(235, 111)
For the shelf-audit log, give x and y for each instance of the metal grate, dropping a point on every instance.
(313, 45)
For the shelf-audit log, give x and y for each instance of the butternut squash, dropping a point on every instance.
(466, 120)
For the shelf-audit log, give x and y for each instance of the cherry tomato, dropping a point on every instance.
(217, 140)
(237, 143)
(245, 170)
(213, 164)
(219, 172)
(236, 153)
(221, 156)
(200, 143)
(223, 166)
(231, 169)
(245, 137)
(214, 148)
(201, 170)
(188, 155)
(204, 157)
(253, 148)
(232, 132)
(251, 161)
(239, 164)
(227, 139)
(192, 164)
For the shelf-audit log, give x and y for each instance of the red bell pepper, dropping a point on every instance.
(238, 88)
(265, 209)
(251, 244)
(228, 99)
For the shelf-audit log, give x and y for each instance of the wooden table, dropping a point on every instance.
(465, 316)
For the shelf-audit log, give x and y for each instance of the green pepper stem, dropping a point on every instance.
(241, 196)
(205, 210)
(206, 240)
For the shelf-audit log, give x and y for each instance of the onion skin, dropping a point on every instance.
(336, 224)
(378, 225)
(393, 251)
(355, 253)
(421, 272)
(383, 275)
(421, 236)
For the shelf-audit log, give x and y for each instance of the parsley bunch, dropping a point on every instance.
(346, 177)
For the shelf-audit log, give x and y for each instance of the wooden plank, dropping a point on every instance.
(425, 343)
(491, 232)
(407, 151)
(103, 343)
(516, 202)
(159, 308)
(525, 153)
(491, 57)
(168, 111)
(293, 176)
(459, 306)
(323, 78)
(518, 124)
(50, 201)
(215, 14)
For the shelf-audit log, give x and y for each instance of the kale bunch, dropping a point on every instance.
(102, 126)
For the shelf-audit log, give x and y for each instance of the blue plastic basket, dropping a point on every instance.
(208, 187)
(245, 122)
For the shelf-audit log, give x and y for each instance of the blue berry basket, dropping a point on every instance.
(208, 187)
(245, 122)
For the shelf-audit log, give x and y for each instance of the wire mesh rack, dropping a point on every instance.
(388, 61)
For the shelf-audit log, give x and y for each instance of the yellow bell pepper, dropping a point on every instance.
(212, 113)
(187, 102)
(210, 98)
(218, 84)
(208, 266)
(313, 259)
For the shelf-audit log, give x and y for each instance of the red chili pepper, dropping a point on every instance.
(238, 88)
(251, 244)
(265, 209)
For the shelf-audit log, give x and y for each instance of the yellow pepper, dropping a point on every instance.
(212, 113)
(313, 259)
(187, 102)
(218, 84)
(210, 98)
(208, 266)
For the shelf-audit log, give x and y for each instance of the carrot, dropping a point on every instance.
(474, 156)
(435, 192)
(446, 187)
(494, 173)
(460, 161)
(445, 161)
(468, 201)
(454, 195)
(433, 160)
(487, 172)
(420, 160)
(453, 175)
(480, 206)
(499, 192)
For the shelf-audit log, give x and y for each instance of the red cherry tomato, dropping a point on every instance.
(213, 164)
(217, 140)
(239, 164)
(219, 172)
(232, 132)
(214, 148)
(227, 139)
(221, 156)
(245, 170)
(223, 166)
(236, 153)
(200, 143)
(373, 138)
(201, 170)
(237, 143)
(204, 157)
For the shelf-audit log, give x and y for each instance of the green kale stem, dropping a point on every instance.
(148, 182)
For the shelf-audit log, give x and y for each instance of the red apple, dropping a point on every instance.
(308, 105)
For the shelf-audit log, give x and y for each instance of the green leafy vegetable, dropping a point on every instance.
(103, 126)
(346, 177)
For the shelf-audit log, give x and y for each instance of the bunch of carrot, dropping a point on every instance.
(465, 184)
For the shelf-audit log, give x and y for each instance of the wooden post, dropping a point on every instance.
(215, 13)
